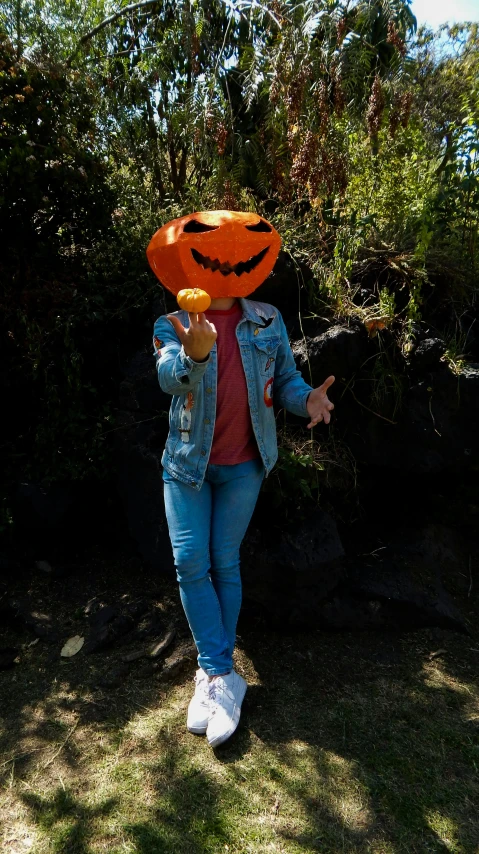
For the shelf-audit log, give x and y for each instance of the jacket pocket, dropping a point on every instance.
(265, 350)
(267, 345)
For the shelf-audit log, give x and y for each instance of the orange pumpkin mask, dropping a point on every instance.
(225, 253)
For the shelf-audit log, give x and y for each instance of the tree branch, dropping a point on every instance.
(110, 20)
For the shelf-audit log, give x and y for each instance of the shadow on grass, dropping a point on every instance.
(391, 749)
(365, 743)
(67, 823)
(190, 807)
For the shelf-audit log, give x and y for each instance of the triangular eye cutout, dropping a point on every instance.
(195, 227)
(260, 226)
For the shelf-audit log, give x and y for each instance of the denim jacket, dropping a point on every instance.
(271, 376)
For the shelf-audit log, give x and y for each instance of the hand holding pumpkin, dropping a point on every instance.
(318, 405)
(198, 339)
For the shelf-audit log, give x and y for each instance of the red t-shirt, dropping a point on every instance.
(233, 439)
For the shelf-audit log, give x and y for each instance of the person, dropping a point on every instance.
(224, 368)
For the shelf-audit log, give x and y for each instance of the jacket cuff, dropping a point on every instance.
(304, 402)
(188, 368)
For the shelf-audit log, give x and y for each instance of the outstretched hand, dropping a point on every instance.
(318, 405)
(199, 338)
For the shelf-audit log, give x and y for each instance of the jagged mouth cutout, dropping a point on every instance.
(225, 268)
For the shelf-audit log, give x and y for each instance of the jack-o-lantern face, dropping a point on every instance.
(225, 253)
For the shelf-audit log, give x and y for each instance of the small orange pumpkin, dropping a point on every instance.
(225, 253)
(193, 300)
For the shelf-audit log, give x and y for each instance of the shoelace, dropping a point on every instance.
(216, 689)
(201, 682)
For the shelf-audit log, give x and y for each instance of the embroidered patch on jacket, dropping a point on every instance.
(269, 363)
(158, 345)
(185, 417)
(268, 392)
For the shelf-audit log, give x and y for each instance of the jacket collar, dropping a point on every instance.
(257, 311)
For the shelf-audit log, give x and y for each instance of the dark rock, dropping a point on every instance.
(135, 656)
(97, 640)
(346, 613)
(136, 609)
(339, 351)
(428, 354)
(99, 617)
(436, 428)
(287, 575)
(150, 625)
(419, 331)
(122, 613)
(159, 648)
(400, 585)
(433, 547)
(156, 650)
(181, 659)
(104, 636)
(402, 601)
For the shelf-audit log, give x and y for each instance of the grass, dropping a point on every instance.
(348, 743)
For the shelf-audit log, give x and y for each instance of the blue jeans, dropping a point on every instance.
(206, 528)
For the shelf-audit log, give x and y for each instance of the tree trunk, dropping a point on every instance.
(153, 138)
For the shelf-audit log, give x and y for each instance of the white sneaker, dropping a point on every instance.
(226, 695)
(199, 706)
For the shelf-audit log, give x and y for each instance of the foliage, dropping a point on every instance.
(307, 471)
(356, 136)
(58, 294)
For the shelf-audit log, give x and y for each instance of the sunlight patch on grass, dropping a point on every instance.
(18, 836)
(437, 677)
(445, 829)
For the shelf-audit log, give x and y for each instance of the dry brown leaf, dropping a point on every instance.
(72, 646)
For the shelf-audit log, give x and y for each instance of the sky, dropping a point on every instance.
(436, 12)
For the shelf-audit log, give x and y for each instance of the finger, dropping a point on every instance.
(204, 324)
(327, 383)
(193, 319)
(315, 421)
(177, 326)
(329, 406)
(212, 327)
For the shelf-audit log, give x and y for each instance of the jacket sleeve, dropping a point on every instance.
(289, 389)
(177, 373)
